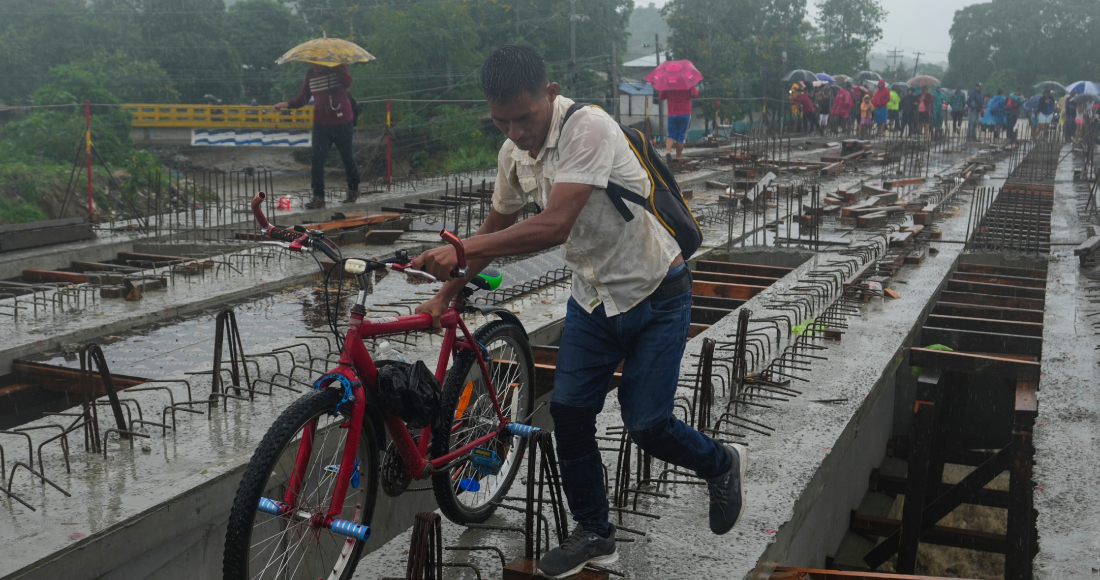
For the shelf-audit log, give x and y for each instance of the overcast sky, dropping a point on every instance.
(912, 25)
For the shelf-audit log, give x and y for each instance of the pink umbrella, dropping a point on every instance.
(674, 75)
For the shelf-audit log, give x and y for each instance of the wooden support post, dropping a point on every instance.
(916, 485)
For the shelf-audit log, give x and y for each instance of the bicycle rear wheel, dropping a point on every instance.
(465, 494)
(262, 546)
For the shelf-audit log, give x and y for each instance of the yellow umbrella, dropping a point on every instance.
(327, 52)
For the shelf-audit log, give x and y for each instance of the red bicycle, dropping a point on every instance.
(305, 502)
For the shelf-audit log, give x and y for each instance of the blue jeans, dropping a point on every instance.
(651, 338)
(678, 127)
(972, 125)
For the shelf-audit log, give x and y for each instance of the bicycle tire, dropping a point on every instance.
(450, 503)
(262, 466)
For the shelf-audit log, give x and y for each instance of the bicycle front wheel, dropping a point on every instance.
(467, 494)
(290, 547)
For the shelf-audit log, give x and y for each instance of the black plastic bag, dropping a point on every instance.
(409, 391)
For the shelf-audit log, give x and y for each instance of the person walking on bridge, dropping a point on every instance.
(631, 294)
(975, 102)
(333, 124)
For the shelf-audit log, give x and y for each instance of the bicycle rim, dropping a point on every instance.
(289, 547)
(475, 417)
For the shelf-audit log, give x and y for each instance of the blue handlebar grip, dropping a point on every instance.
(521, 429)
(350, 530)
(271, 507)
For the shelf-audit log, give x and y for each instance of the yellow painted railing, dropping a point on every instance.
(219, 116)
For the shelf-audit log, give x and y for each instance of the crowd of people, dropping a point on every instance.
(923, 110)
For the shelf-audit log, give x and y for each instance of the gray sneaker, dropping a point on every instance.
(578, 549)
(727, 492)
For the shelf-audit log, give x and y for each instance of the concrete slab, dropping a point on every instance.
(1066, 433)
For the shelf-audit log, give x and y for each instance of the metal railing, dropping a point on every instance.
(219, 116)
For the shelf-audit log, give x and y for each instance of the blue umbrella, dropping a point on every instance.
(1032, 104)
(1084, 87)
(825, 77)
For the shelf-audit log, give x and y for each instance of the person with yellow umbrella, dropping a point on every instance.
(327, 82)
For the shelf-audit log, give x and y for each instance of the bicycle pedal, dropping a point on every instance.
(485, 461)
(522, 430)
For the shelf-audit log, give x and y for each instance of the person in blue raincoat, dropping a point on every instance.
(938, 100)
(995, 113)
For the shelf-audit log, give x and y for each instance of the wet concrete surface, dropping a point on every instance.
(1067, 428)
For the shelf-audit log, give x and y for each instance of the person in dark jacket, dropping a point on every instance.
(975, 102)
(909, 112)
(333, 124)
(957, 103)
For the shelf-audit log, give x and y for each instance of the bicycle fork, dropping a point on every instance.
(348, 465)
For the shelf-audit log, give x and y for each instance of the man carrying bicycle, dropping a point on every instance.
(631, 296)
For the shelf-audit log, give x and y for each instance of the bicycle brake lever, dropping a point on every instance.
(282, 245)
(405, 269)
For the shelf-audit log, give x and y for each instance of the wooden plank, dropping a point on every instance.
(998, 279)
(708, 316)
(58, 378)
(32, 275)
(544, 355)
(996, 289)
(1002, 270)
(733, 278)
(788, 573)
(938, 535)
(994, 366)
(713, 302)
(100, 267)
(696, 329)
(990, 300)
(718, 289)
(355, 222)
(526, 569)
(155, 258)
(985, 325)
(742, 269)
(987, 312)
(985, 342)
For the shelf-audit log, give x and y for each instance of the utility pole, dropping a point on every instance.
(894, 54)
(573, 18)
(915, 63)
(660, 132)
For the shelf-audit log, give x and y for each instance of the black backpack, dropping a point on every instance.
(664, 201)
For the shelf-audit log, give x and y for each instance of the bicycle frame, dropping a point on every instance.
(357, 367)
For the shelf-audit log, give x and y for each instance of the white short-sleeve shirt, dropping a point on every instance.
(614, 262)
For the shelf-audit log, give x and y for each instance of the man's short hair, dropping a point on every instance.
(510, 70)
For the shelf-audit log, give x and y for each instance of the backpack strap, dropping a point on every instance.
(615, 192)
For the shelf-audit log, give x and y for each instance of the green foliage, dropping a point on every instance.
(256, 24)
(55, 134)
(131, 81)
(15, 211)
(849, 28)
(1037, 40)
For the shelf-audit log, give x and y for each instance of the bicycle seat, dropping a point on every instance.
(489, 279)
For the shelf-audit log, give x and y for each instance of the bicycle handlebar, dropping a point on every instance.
(299, 237)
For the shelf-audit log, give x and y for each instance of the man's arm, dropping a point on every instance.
(344, 76)
(546, 230)
(501, 236)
